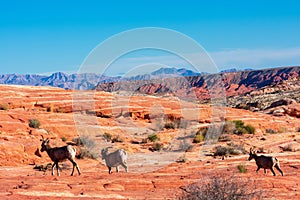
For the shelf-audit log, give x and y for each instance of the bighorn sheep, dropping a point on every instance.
(265, 162)
(58, 154)
(114, 159)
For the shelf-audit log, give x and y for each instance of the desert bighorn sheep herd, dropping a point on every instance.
(119, 157)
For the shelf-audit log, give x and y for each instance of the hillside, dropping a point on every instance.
(233, 83)
(131, 118)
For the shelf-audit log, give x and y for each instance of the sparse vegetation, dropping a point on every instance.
(153, 137)
(271, 131)
(198, 139)
(107, 136)
(242, 168)
(157, 146)
(231, 149)
(63, 138)
(200, 135)
(117, 138)
(225, 138)
(170, 125)
(220, 187)
(34, 123)
(241, 128)
(87, 147)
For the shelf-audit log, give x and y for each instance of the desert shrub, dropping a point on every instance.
(221, 151)
(231, 149)
(239, 123)
(298, 130)
(198, 139)
(153, 137)
(241, 128)
(202, 131)
(240, 131)
(221, 187)
(4, 106)
(85, 153)
(170, 125)
(117, 138)
(157, 146)
(107, 136)
(229, 127)
(63, 138)
(224, 138)
(87, 147)
(242, 168)
(200, 135)
(34, 123)
(250, 129)
(271, 131)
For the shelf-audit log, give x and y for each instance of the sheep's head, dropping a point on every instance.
(252, 154)
(104, 153)
(45, 144)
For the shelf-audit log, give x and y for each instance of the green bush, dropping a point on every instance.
(242, 168)
(34, 123)
(239, 129)
(198, 139)
(202, 131)
(238, 123)
(250, 129)
(157, 146)
(153, 137)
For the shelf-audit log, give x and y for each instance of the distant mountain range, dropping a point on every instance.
(205, 85)
(180, 82)
(86, 81)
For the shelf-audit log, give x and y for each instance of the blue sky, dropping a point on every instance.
(49, 36)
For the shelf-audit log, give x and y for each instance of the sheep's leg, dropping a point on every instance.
(78, 170)
(278, 168)
(74, 165)
(257, 169)
(73, 169)
(117, 168)
(53, 168)
(57, 168)
(125, 167)
(109, 170)
(273, 171)
(265, 171)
